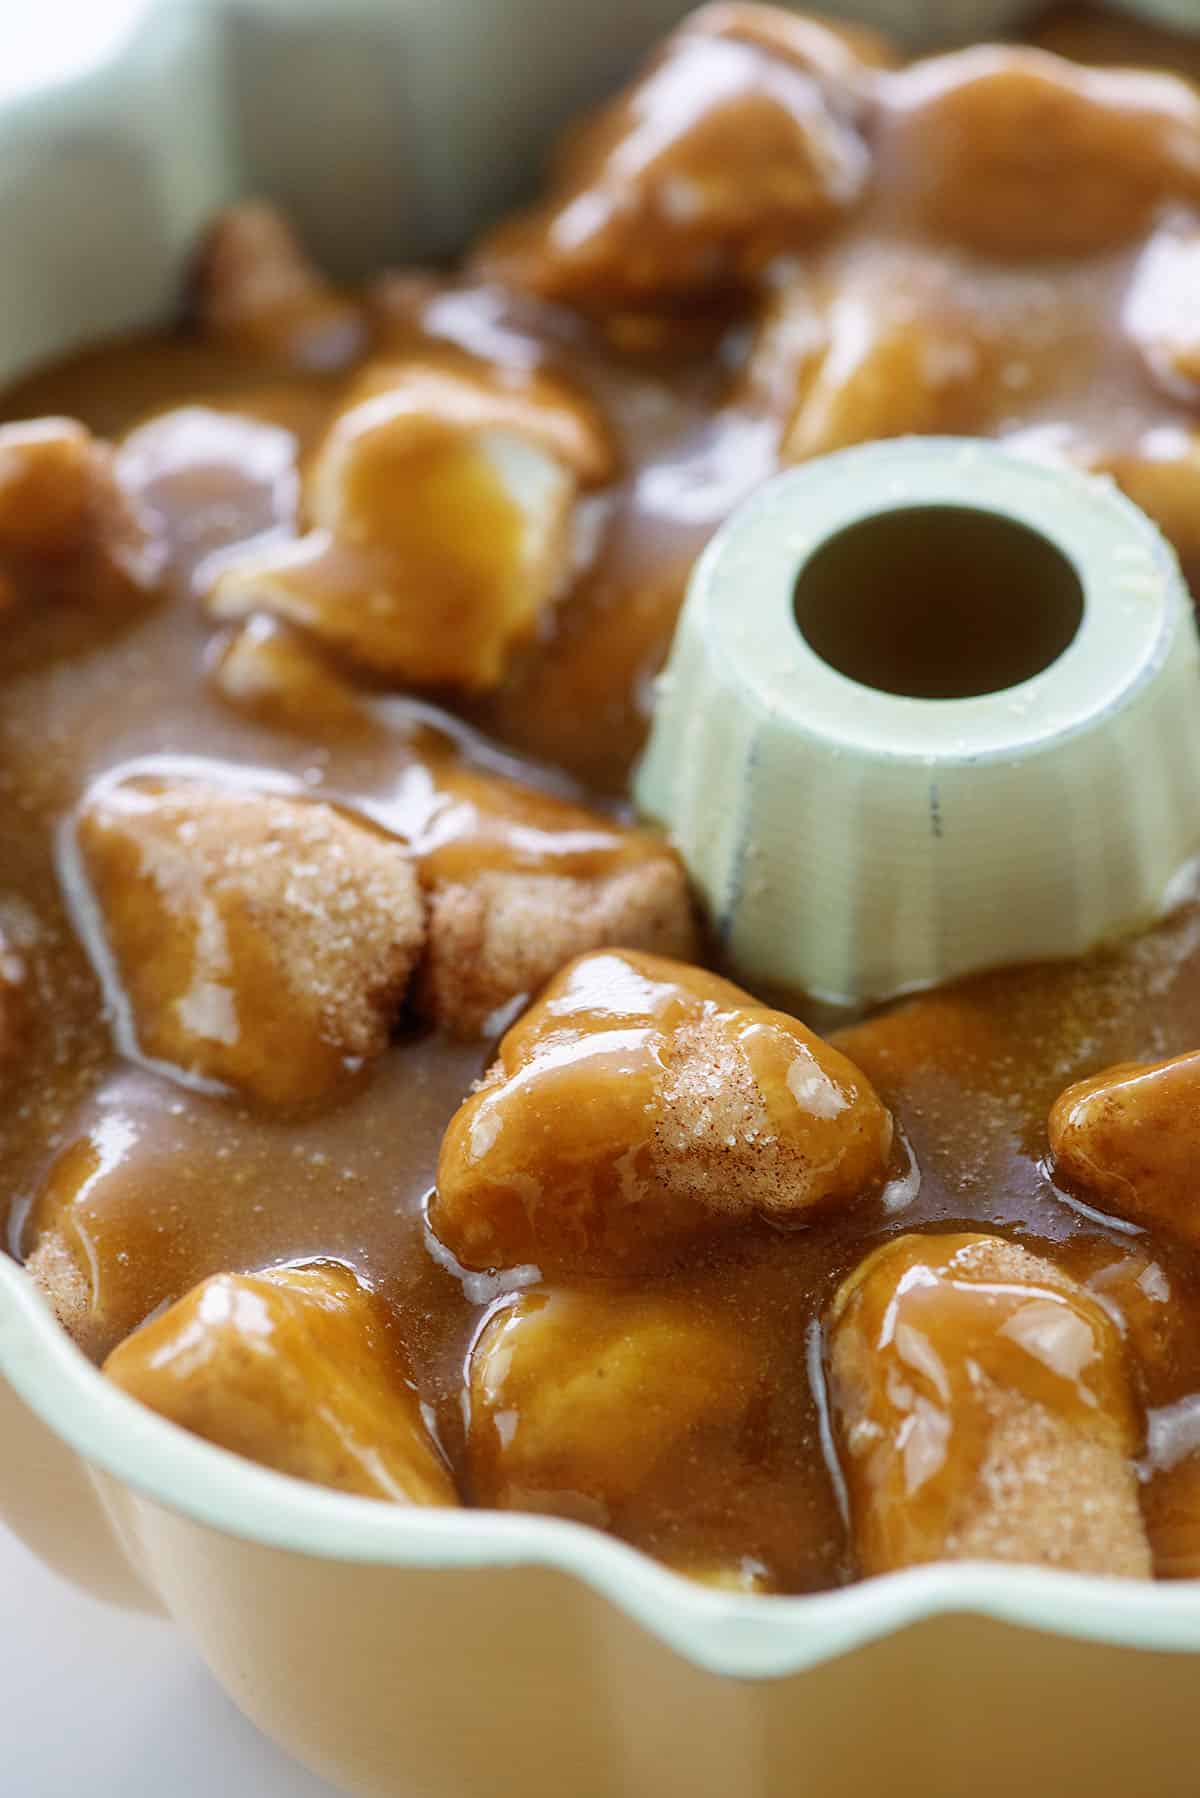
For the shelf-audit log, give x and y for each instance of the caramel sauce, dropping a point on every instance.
(160, 1186)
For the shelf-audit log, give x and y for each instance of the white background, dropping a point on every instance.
(106, 1704)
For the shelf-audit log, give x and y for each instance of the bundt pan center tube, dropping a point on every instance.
(905, 729)
(412, 1653)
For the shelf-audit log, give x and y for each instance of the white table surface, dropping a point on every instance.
(115, 1705)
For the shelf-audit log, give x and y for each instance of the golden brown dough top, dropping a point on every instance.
(68, 530)
(582, 1399)
(257, 291)
(441, 502)
(468, 392)
(740, 140)
(1130, 1138)
(640, 1105)
(972, 1380)
(1018, 153)
(259, 940)
(294, 1368)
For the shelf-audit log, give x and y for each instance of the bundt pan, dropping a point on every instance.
(422, 1653)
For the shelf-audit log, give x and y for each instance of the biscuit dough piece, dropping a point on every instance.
(257, 291)
(739, 141)
(875, 346)
(1129, 1139)
(518, 882)
(1019, 153)
(69, 531)
(579, 1399)
(271, 672)
(462, 389)
(642, 1106)
(61, 1278)
(260, 941)
(984, 1411)
(292, 1368)
(442, 506)
(500, 936)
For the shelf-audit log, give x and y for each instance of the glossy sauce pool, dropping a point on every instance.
(169, 1185)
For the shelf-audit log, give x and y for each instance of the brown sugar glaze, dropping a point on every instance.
(183, 1184)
